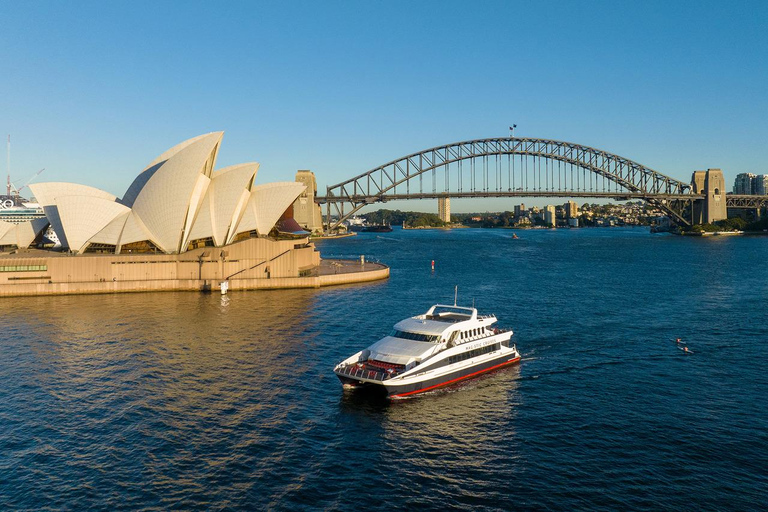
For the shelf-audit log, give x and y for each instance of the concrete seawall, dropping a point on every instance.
(330, 273)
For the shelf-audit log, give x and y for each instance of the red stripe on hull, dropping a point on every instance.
(506, 363)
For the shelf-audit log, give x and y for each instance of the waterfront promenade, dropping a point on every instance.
(253, 264)
(330, 273)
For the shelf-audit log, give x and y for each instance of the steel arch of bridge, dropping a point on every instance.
(603, 174)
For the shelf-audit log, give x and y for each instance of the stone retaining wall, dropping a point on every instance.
(26, 289)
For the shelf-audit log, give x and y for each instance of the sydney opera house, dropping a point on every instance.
(182, 224)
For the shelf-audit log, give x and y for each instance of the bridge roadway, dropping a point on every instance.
(619, 196)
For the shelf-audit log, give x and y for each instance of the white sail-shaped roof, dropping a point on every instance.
(268, 202)
(133, 191)
(225, 203)
(5, 227)
(169, 201)
(47, 193)
(134, 231)
(85, 216)
(231, 192)
(110, 234)
(23, 234)
(203, 227)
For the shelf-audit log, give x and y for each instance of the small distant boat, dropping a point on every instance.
(377, 228)
(515, 237)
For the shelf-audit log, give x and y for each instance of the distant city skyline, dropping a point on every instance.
(342, 88)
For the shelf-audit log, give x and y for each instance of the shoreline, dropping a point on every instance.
(455, 226)
(331, 272)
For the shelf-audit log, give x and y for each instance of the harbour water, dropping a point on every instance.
(201, 402)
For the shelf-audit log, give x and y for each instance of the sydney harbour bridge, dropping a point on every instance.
(528, 167)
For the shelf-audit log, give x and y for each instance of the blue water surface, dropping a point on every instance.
(197, 402)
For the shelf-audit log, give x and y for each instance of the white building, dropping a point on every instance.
(550, 215)
(178, 202)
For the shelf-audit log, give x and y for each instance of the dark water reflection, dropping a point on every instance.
(193, 401)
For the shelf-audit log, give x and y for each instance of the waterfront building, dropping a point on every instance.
(182, 224)
(444, 209)
(550, 215)
(743, 184)
(306, 212)
(177, 203)
(520, 210)
(571, 210)
(760, 184)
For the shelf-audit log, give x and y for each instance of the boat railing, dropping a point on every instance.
(363, 372)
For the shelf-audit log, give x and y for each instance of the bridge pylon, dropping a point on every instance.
(711, 185)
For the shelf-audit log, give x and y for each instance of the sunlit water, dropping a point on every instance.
(194, 401)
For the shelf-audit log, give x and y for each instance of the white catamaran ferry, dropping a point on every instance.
(447, 344)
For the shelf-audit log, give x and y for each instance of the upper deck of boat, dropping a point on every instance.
(440, 319)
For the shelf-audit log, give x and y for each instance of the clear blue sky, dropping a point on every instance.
(93, 91)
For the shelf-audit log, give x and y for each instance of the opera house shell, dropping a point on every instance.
(178, 202)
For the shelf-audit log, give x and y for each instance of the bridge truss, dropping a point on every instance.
(746, 202)
(509, 167)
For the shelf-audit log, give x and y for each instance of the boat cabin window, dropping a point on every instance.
(430, 338)
(474, 353)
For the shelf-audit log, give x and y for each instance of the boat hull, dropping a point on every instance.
(394, 389)
(377, 229)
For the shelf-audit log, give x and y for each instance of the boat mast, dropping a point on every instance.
(455, 294)
(8, 164)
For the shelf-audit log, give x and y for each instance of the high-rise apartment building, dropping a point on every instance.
(571, 210)
(550, 215)
(743, 183)
(760, 184)
(444, 209)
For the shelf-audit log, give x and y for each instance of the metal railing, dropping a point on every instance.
(361, 372)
